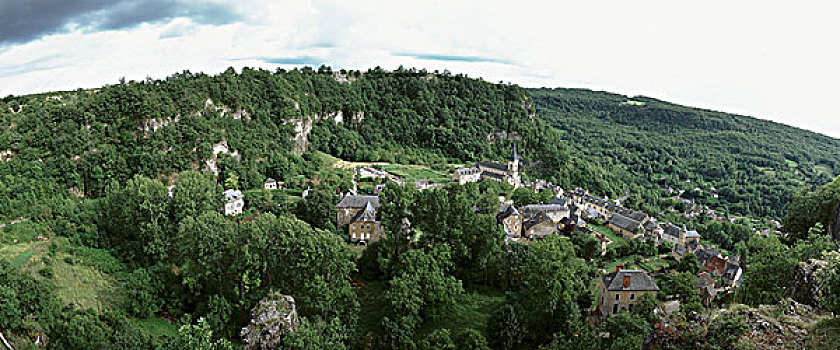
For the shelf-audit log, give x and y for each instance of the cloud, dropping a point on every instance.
(296, 60)
(38, 64)
(25, 21)
(454, 58)
(179, 28)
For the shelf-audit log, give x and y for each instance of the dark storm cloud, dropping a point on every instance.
(22, 21)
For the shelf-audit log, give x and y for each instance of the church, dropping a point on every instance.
(508, 172)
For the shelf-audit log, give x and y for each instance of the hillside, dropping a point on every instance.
(257, 124)
(650, 145)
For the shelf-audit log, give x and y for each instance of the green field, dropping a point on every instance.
(81, 285)
(410, 173)
(607, 232)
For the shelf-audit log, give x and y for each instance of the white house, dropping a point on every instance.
(234, 202)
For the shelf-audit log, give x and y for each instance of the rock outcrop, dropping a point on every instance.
(786, 325)
(804, 285)
(271, 319)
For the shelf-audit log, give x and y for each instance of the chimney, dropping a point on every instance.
(626, 281)
(618, 267)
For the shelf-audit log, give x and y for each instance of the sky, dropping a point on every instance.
(776, 60)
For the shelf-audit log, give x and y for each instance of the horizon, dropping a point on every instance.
(770, 67)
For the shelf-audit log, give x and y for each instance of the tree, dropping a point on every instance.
(397, 219)
(471, 339)
(507, 327)
(586, 246)
(645, 308)
(830, 277)
(208, 246)
(318, 334)
(199, 337)
(421, 287)
(137, 219)
(438, 339)
(552, 286)
(767, 270)
(141, 297)
(318, 209)
(689, 264)
(626, 331)
(194, 194)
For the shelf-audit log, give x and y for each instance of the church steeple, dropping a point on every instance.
(515, 156)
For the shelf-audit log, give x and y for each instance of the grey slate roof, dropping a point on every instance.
(232, 195)
(639, 280)
(493, 165)
(366, 215)
(505, 213)
(624, 222)
(493, 176)
(638, 216)
(559, 201)
(673, 230)
(531, 208)
(351, 201)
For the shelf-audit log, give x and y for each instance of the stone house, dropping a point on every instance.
(511, 220)
(272, 184)
(234, 202)
(364, 226)
(621, 290)
(351, 205)
(627, 227)
(706, 288)
(679, 235)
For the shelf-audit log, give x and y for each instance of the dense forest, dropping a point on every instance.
(99, 252)
(753, 165)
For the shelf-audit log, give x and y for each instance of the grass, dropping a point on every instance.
(824, 334)
(410, 173)
(607, 232)
(158, 327)
(22, 259)
(77, 284)
(472, 310)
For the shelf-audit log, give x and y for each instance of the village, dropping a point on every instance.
(626, 277)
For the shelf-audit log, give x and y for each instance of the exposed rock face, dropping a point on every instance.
(776, 327)
(271, 319)
(805, 286)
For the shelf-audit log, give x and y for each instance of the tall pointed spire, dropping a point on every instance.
(515, 155)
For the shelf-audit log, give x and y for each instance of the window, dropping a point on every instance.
(632, 296)
(617, 296)
(615, 308)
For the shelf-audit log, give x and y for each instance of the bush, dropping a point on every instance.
(141, 300)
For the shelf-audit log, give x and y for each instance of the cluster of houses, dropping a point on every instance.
(235, 200)
(719, 273)
(507, 172)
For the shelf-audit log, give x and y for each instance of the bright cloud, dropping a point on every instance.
(773, 60)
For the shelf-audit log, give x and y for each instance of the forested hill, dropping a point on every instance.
(754, 165)
(256, 124)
